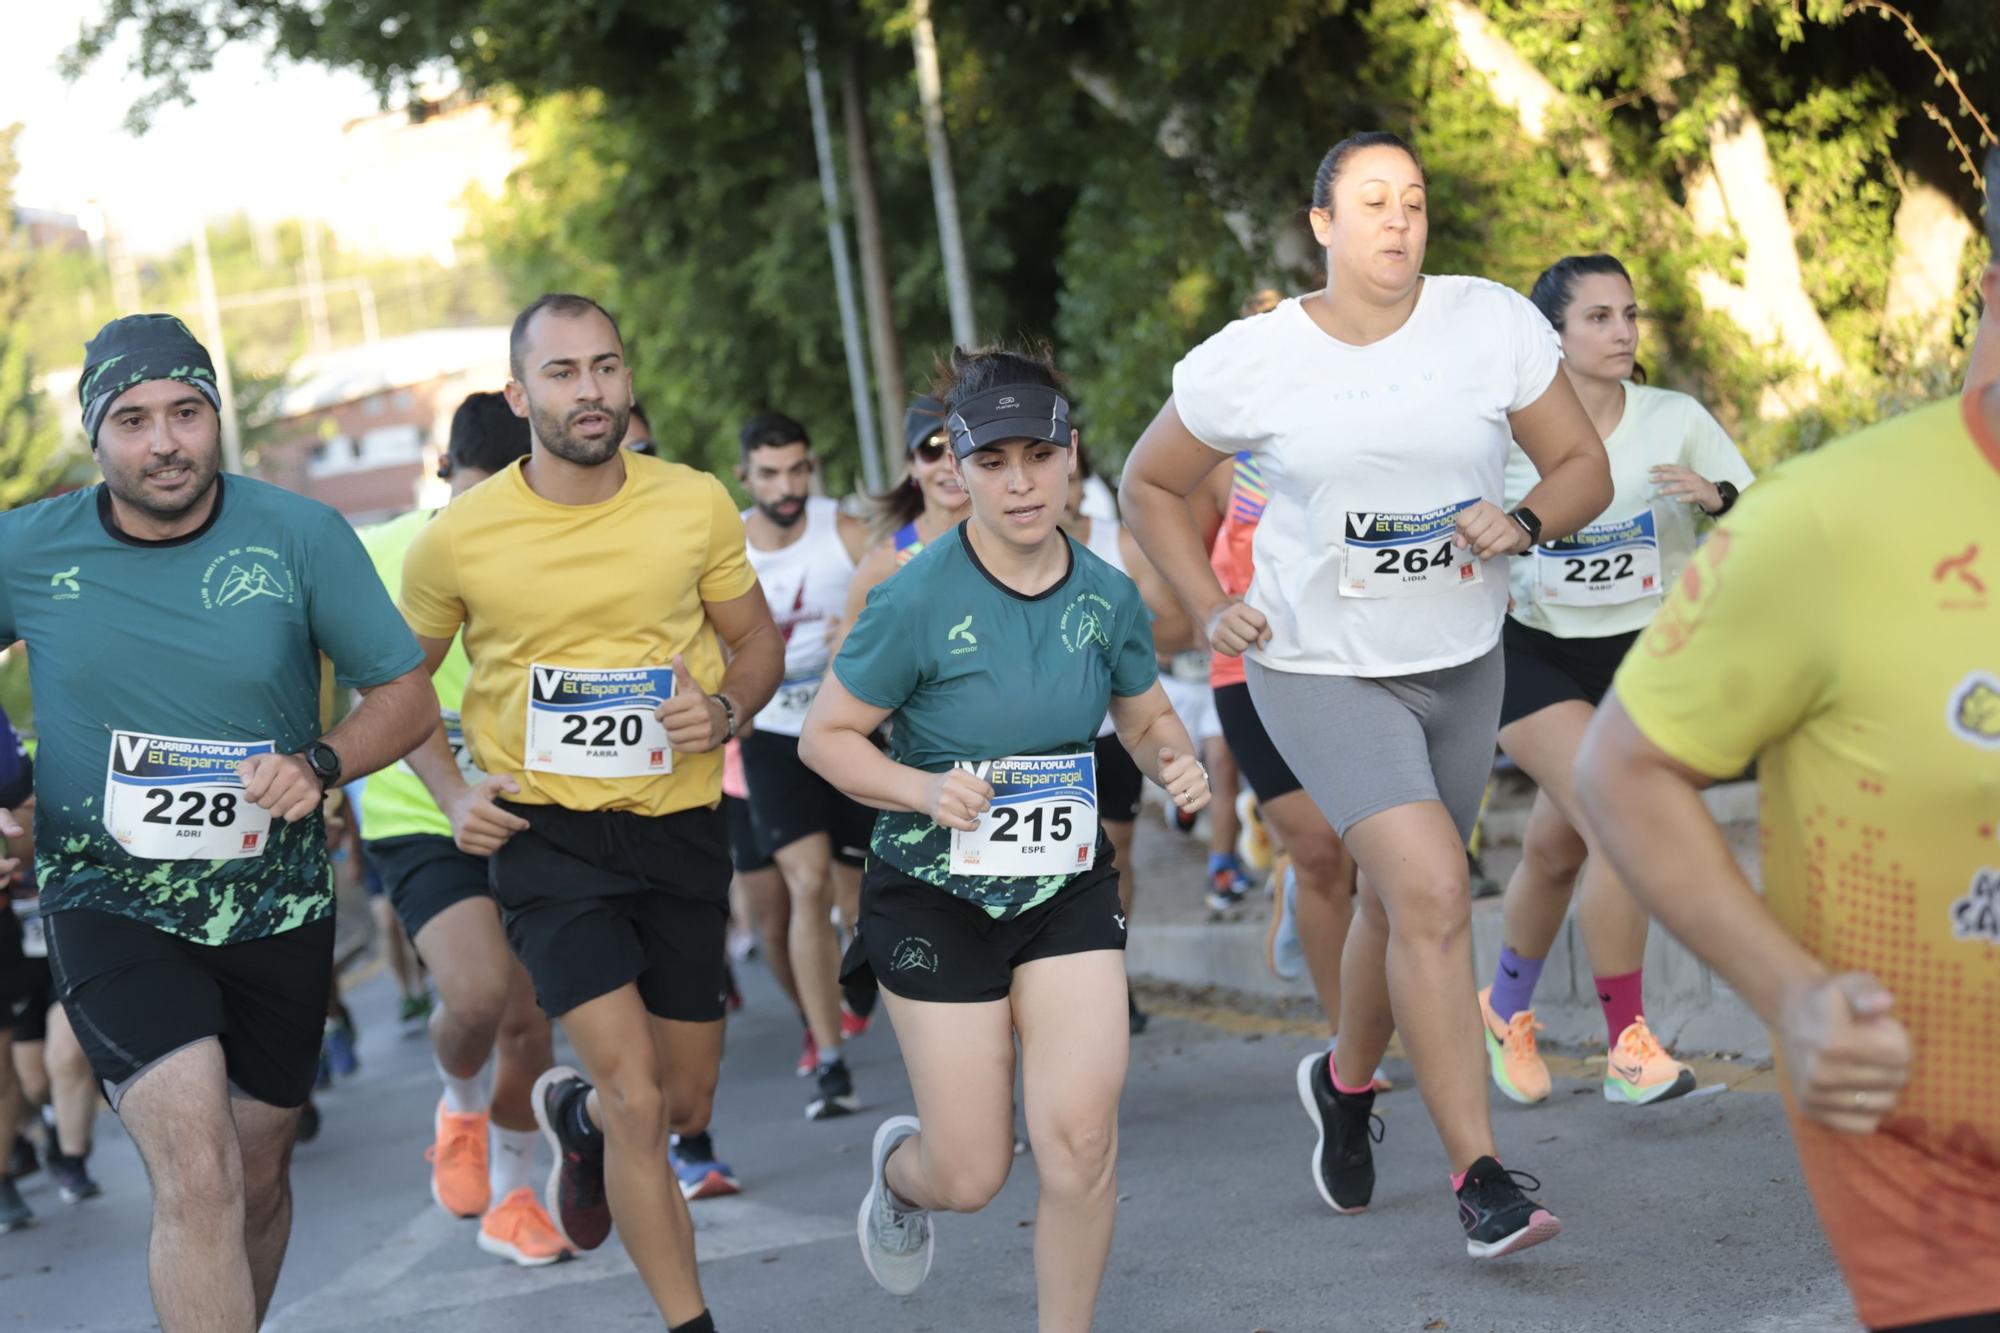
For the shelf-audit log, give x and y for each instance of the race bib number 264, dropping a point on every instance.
(1406, 555)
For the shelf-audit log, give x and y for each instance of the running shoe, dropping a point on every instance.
(575, 1192)
(337, 1050)
(1253, 844)
(1517, 1066)
(808, 1056)
(1136, 1018)
(22, 1161)
(1343, 1160)
(896, 1242)
(1497, 1214)
(835, 1095)
(1284, 951)
(521, 1231)
(1640, 1072)
(1482, 884)
(857, 1005)
(15, 1214)
(72, 1178)
(695, 1164)
(1179, 820)
(415, 1011)
(458, 1161)
(1227, 890)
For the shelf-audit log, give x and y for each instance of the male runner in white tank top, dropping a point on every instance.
(804, 551)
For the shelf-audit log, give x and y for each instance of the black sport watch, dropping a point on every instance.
(1526, 518)
(1728, 492)
(324, 761)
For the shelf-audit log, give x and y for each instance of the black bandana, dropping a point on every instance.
(129, 352)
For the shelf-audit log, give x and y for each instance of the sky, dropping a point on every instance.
(256, 135)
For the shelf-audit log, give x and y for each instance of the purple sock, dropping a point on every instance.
(1514, 983)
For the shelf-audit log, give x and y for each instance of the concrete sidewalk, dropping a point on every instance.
(1174, 939)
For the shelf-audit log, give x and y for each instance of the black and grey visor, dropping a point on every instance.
(1010, 412)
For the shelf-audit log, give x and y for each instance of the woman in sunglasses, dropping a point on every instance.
(989, 909)
(928, 500)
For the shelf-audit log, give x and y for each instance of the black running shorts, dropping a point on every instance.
(744, 852)
(596, 900)
(425, 873)
(1119, 782)
(26, 987)
(135, 995)
(926, 944)
(1543, 670)
(1257, 759)
(788, 801)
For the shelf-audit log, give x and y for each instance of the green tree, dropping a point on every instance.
(31, 453)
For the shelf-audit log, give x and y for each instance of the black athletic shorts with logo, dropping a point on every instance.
(925, 944)
(136, 994)
(27, 990)
(1257, 757)
(789, 801)
(1543, 670)
(1120, 784)
(425, 873)
(597, 899)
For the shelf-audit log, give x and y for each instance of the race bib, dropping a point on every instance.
(1043, 820)
(1406, 555)
(171, 799)
(461, 753)
(34, 939)
(598, 723)
(785, 715)
(1607, 564)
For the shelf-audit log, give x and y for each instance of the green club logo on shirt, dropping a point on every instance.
(245, 574)
(66, 579)
(1087, 622)
(963, 630)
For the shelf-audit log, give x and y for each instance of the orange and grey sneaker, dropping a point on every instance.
(1641, 1072)
(519, 1230)
(1517, 1066)
(458, 1163)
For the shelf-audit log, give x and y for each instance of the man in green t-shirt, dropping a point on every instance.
(483, 1161)
(176, 620)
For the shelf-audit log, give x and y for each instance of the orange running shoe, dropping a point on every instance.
(1641, 1072)
(1517, 1066)
(458, 1163)
(519, 1230)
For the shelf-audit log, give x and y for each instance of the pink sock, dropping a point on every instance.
(1458, 1180)
(1623, 1000)
(1333, 1072)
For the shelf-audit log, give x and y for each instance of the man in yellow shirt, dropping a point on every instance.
(1843, 629)
(596, 591)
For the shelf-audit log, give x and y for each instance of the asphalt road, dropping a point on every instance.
(1689, 1215)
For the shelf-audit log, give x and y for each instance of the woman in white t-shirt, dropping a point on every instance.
(1381, 410)
(1578, 606)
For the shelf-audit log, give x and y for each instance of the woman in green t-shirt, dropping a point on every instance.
(989, 908)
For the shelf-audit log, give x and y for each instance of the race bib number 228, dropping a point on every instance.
(168, 798)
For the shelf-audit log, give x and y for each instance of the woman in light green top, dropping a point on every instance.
(1577, 607)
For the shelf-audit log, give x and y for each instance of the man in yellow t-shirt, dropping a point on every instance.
(483, 1163)
(1843, 629)
(595, 591)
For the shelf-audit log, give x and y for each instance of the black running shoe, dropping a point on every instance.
(72, 1178)
(1137, 1017)
(308, 1122)
(835, 1094)
(1343, 1162)
(1498, 1216)
(574, 1195)
(22, 1161)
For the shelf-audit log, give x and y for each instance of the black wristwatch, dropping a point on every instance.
(324, 761)
(1727, 490)
(1529, 522)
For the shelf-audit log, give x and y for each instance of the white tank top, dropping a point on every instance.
(1103, 543)
(806, 585)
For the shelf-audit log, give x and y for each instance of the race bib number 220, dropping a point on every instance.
(599, 723)
(167, 798)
